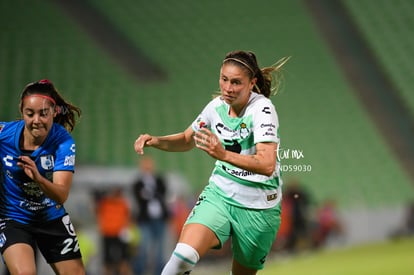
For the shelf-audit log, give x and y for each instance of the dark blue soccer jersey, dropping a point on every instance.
(21, 199)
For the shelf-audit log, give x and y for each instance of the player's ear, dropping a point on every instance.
(253, 82)
(57, 111)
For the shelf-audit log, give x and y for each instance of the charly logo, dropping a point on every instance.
(68, 225)
(7, 160)
(292, 154)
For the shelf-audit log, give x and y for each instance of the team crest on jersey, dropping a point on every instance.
(47, 162)
(1, 127)
(244, 132)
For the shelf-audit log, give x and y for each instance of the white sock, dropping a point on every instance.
(182, 260)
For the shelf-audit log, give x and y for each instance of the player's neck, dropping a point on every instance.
(30, 142)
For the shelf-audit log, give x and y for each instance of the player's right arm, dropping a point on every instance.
(179, 142)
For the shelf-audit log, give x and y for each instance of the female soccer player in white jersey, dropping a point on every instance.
(239, 129)
(37, 157)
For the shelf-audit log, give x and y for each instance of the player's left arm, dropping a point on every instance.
(262, 162)
(58, 190)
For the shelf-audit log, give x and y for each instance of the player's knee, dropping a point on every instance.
(70, 267)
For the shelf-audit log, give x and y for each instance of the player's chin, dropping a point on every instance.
(228, 99)
(39, 132)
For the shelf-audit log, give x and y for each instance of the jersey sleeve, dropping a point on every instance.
(65, 156)
(203, 120)
(2, 128)
(266, 123)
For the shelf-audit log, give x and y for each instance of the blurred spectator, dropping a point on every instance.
(87, 247)
(285, 228)
(113, 214)
(327, 225)
(296, 203)
(150, 193)
(409, 221)
(179, 214)
(407, 228)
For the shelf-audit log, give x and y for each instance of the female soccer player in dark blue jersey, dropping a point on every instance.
(37, 156)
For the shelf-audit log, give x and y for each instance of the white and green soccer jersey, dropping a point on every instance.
(257, 123)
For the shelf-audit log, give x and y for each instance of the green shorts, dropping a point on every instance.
(253, 231)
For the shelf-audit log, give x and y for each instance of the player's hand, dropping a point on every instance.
(209, 142)
(29, 167)
(142, 141)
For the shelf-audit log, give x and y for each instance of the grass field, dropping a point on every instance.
(387, 258)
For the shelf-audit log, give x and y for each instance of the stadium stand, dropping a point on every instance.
(319, 115)
(387, 26)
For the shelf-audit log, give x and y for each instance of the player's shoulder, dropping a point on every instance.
(10, 128)
(60, 134)
(216, 101)
(213, 103)
(259, 102)
(260, 99)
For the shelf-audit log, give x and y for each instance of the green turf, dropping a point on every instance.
(393, 257)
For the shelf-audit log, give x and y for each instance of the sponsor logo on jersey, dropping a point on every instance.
(32, 189)
(200, 124)
(69, 160)
(47, 162)
(224, 131)
(272, 197)
(263, 260)
(270, 126)
(269, 134)
(9, 174)
(238, 172)
(229, 133)
(270, 131)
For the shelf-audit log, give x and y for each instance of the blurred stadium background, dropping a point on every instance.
(150, 66)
